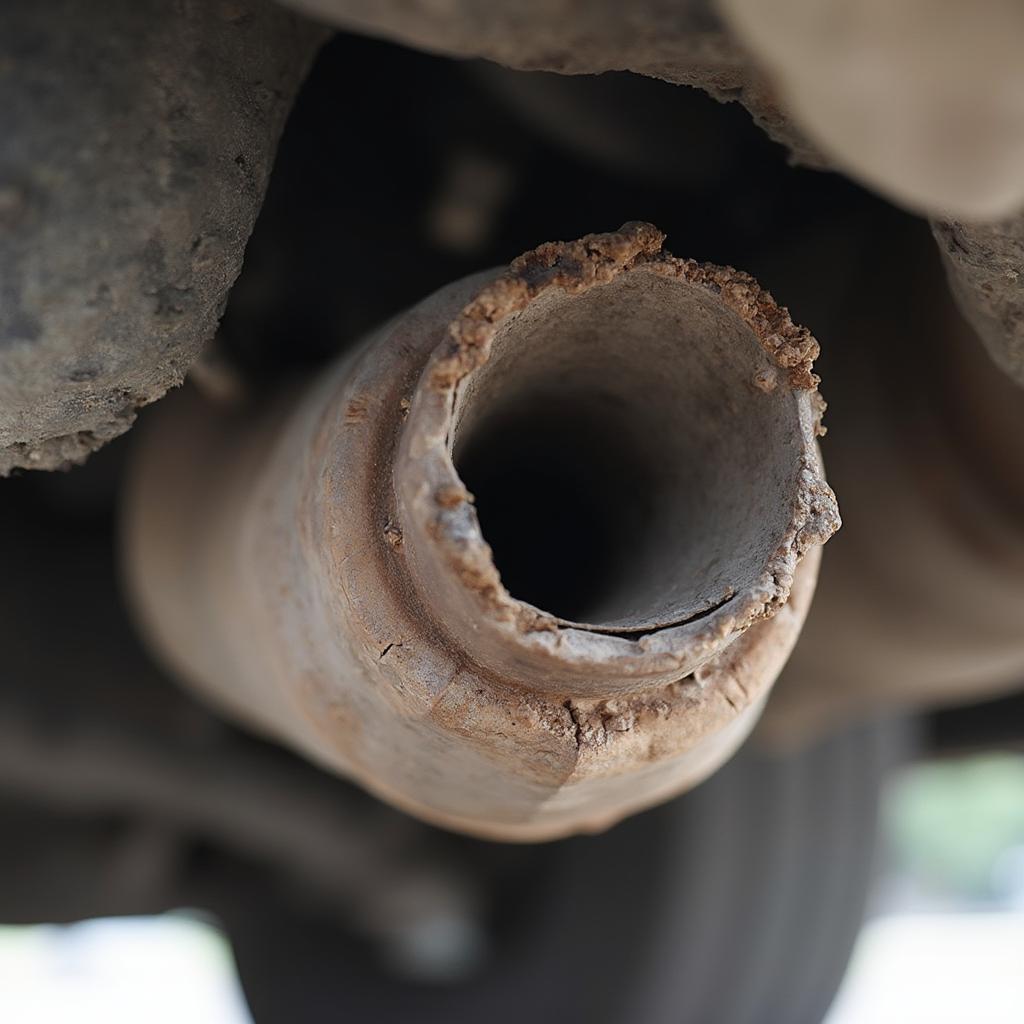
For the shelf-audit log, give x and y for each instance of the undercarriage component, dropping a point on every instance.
(985, 263)
(640, 432)
(922, 599)
(920, 100)
(679, 41)
(138, 136)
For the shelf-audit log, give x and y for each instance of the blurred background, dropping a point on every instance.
(941, 943)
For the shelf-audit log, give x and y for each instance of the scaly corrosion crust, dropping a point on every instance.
(574, 268)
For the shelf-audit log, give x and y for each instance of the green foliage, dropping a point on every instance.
(950, 821)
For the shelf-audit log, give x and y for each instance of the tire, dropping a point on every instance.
(738, 903)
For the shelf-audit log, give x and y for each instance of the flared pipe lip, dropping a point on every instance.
(448, 556)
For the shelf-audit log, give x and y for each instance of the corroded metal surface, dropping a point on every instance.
(320, 573)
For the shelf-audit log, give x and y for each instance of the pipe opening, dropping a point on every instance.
(631, 468)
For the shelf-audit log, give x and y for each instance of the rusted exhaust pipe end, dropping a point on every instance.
(640, 434)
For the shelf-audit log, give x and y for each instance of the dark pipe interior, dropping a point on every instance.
(562, 497)
(628, 473)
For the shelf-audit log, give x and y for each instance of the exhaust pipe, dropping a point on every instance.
(527, 561)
